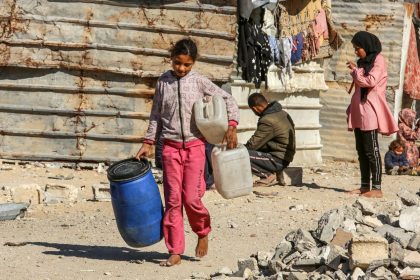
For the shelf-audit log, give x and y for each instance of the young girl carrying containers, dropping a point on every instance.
(183, 152)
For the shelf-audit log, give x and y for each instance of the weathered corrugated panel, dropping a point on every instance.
(385, 19)
(78, 77)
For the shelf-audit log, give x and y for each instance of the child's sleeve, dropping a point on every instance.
(155, 119)
(209, 88)
(388, 160)
(372, 79)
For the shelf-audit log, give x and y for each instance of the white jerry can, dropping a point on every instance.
(211, 118)
(232, 171)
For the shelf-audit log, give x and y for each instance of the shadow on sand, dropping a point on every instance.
(104, 252)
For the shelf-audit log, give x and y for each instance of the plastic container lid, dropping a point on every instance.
(128, 169)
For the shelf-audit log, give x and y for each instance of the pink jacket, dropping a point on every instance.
(374, 112)
(172, 111)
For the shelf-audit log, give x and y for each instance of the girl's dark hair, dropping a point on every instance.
(186, 47)
(395, 144)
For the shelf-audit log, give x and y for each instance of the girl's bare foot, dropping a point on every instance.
(171, 261)
(202, 247)
(373, 194)
(358, 191)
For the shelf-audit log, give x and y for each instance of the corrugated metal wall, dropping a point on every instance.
(385, 18)
(77, 77)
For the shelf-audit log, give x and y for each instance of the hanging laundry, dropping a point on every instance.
(254, 53)
(412, 68)
(298, 41)
(268, 23)
(275, 53)
(245, 7)
(285, 45)
(320, 28)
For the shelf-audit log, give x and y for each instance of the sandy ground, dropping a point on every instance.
(81, 241)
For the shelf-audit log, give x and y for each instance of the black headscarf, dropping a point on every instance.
(372, 46)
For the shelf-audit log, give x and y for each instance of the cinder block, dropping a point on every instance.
(291, 176)
(61, 193)
(366, 249)
(101, 192)
(29, 193)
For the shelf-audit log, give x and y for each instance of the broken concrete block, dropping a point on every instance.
(342, 238)
(358, 274)
(303, 240)
(365, 249)
(396, 251)
(339, 275)
(101, 192)
(328, 224)
(264, 257)
(409, 273)
(371, 221)
(282, 249)
(349, 225)
(276, 266)
(11, 211)
(291, 257)
(277, 276)
(352, 213)
(291, 176)
(399, 235)
(243, 264)
(412, 259)
(414, 243)
(382, 273)
(29, 193)
(410, 219)
(365, 206)
(61, 193)
(409, 199)
(331, 256)
(298, 276)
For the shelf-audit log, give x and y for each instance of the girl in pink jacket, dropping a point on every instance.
(183, 154)
(368, 112)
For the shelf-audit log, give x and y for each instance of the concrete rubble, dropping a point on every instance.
(367, 240)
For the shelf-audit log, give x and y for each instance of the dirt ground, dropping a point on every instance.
(81, 240)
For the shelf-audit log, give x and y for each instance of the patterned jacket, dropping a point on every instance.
(172, 112)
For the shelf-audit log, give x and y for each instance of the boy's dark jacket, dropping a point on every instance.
(275, 133)
(392, 159)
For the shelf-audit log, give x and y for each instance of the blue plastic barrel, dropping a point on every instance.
(136, 202)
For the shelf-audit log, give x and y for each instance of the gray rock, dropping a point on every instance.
(11, 211)
(410, 219)
(412, 259)
(352, 213)
(276, 266)
(365, 206)
(298, 276)
(371, 221)
(339, 275)
(328, 224)
(409, 199)
(282, 249)
(291, 257)
(382, 273)
(414, 243)
(358, 274)
(408, 271)
(243, 264)
(400, 235)
(349, 225)
(396, 251)
(303, 241)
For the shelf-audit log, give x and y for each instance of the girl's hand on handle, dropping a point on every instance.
(144, 151)
(231, 138)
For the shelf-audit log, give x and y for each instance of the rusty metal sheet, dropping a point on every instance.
(382, 17)
(78, 77)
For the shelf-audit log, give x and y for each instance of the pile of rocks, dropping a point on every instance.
(366, 240)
